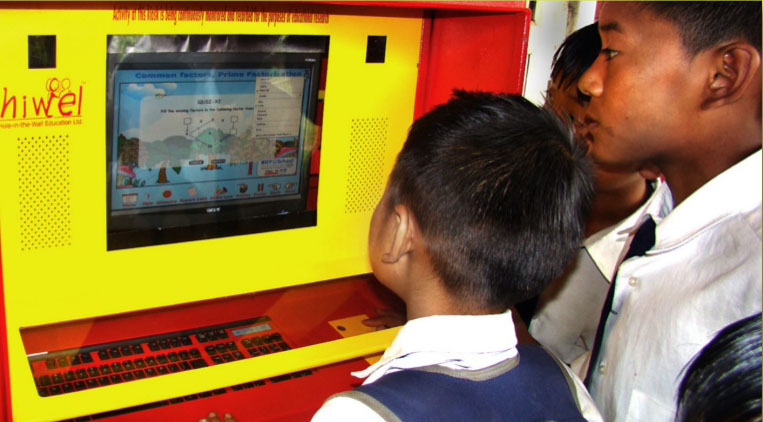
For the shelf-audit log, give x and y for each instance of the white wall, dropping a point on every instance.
(554, 20)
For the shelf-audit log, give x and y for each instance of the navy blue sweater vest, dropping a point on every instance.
(534, 390)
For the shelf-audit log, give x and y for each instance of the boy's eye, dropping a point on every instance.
(609, 54)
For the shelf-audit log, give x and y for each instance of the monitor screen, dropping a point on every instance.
(205, 145)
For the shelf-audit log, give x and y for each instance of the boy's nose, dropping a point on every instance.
(591, 83)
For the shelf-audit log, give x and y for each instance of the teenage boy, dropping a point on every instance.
(569, 309)
(485, 205)
(677, 86)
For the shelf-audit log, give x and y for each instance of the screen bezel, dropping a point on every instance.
(156, 226)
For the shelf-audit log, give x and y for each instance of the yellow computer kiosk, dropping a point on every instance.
(185, 190)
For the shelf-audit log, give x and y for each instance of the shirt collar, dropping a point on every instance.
(735, 191)
(606, 246)
(457, 341)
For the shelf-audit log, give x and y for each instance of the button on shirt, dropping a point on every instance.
(460, 342)
(703, 273)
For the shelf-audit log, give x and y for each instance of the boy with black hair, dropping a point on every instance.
(568, 310)
(677, 86)
(483, 208)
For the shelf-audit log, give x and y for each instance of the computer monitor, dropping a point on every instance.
(204, 145)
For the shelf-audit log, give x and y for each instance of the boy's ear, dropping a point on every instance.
(402, 236)
(734, 68)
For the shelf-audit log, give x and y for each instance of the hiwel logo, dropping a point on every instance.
(59, 99)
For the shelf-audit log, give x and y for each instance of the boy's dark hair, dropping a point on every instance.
(704, 24)
(499, 189)
(723, 383)
(576, 54)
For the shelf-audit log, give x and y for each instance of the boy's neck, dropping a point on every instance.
(611, 207)
(431, 298)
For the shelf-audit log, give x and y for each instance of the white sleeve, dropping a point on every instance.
(345, 409)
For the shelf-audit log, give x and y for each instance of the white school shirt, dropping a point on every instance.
(569, 309)
(703, 273)
(461, 342)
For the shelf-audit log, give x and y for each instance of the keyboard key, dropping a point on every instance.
(184, 355)
(76, 360)
(259, 383)
(212, 335)
(173, 367)
(151, 361)
(211, 350)
(173, 357)
(219, 391)
(195, 353)
(115, 378)
(116, 367)
(62, 362)
(221, 334)
(85, 357)
(137, 349)
(153, 346)
(126, 350)
(51, 363)
(69, 376)
(280, 378)
(45, 380)
(176, 400)
(221, 348)
(185, 340)
(67, 388)
(150, 372)
(201, 338)
(105, 370)
(55, 390)
(103, 354)
(93, 371)
(198, 363)
(184, 366)
(79, 385)
(191, 397)
(228, 357)
(253, 352)
(231, 346)
(81, 374)
(276, 337)
(263, 350)
(238, 355)
(162, 359)
(139, 374)
(104, 381)
(217, 360)
(164, 344)
(91, 383)
(284, 346)
(128, 365)
(238, 387)
(114, 352)
(274, 348)
(267, 339)
(127, 376)
(57, 378)
(175, 342)
(248, 385)
(257, 340)
(162, 370)
(140, 363)
(205, 394)
(247, 343)
(43, 392)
